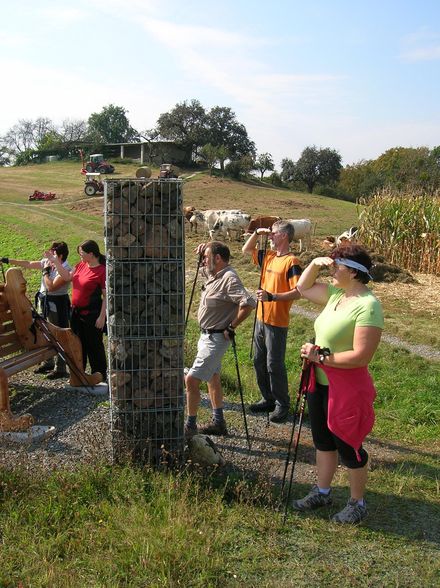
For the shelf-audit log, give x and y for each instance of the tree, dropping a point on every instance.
(240, 167)
(111, 125)
(42, 127)
(224, 129)
(402, 167)
(264, 163)
(317, 166)
(211, 154)
(287, 170)
(26, 134)
(5, 156)
(186, 125)
(72, 131)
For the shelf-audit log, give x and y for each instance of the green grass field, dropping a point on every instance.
(130, 527)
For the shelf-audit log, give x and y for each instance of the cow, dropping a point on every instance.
(229, 222)
(347, 236)
(208, 218)
(261, 222)
(303, 231)
(188, 212)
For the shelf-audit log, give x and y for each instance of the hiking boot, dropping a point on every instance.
(262, 406)
(189, 432)
(280, 414)
(43, 369)
(314, 499)
(214, 428)
(57, 375)
(352, 514)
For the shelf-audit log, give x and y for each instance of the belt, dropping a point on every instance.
(212, 331)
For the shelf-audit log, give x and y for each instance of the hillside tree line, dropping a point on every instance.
(215, 138)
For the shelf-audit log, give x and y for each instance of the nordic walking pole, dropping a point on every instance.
(262, 303)
(193, 287)
(304, 376)
(240, 389)
(302, 402)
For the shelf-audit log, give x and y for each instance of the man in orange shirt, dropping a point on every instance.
(280, 271)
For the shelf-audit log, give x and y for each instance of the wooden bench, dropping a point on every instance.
(22, 346)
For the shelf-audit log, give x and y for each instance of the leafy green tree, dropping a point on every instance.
(111, 125)
(275, 179)
(359, 180)
(50, 140)
(287, 170)
(247, 164)
(211, 154)
(239, 168)
(186, 125)
(264, 163)
(224, 129)
(404, 167)
(317, 166)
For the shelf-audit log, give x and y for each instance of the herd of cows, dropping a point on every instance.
(234, 224)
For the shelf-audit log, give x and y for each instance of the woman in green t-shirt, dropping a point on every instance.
(341, 408)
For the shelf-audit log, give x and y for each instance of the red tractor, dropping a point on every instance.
(93, 184)
(96, 163)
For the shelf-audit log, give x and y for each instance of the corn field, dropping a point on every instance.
(404, 228)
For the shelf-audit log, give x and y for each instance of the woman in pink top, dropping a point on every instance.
(89, 304)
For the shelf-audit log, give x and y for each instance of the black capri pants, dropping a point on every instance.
(323, 438)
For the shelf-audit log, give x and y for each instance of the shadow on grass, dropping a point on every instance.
(401, 516)
(396, 514)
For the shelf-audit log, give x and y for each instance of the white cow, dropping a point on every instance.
(208, 218)
(228, 222)
(303, 231)
(347, 236)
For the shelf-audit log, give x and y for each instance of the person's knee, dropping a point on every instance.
(191, 383)
(276, 365)
(354, 463)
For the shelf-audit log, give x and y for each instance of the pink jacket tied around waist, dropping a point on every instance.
(351, 394)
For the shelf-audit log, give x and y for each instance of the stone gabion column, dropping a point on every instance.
(144, 239)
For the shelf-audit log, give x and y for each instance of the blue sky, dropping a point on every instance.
(356, 76)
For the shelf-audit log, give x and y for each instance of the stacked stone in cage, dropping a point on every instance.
(145, 290)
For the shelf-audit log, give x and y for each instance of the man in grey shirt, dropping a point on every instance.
(224, 304)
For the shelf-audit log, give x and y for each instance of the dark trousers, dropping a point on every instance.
(269, 353)
(91, 342)
(56, 309)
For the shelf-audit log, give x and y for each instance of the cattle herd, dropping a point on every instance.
(234, 224)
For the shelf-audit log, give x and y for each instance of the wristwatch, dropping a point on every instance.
(323, 352)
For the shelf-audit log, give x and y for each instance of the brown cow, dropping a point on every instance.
(262, 222)
(188, 212)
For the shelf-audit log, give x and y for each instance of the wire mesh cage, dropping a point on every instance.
(144, 240)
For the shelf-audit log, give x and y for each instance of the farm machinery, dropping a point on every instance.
(96, 163)
(93, 184)
(37, 195)
(167, 171)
